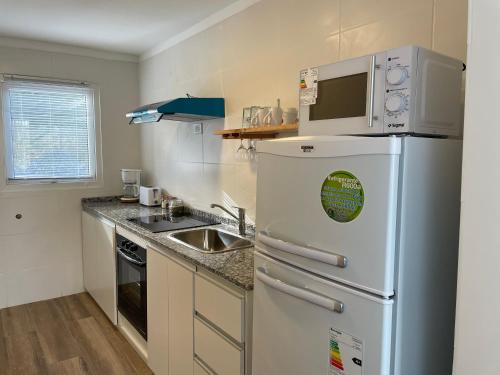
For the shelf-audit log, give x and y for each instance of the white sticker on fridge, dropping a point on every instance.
(346, 354)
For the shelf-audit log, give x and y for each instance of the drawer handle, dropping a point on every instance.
(203, 365)
(306, 252)
(299, 292)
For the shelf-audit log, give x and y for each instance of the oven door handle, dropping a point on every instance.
(131, 260)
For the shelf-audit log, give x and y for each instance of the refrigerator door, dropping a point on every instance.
(304, 324)
(328, 205)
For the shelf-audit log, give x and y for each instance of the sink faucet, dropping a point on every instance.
(240, 217)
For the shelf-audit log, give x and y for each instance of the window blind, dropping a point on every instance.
(49, 131)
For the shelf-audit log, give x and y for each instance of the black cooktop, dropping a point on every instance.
(164, 223)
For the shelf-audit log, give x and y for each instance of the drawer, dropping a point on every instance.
(199, 369)
(221, 306)
(222, 356)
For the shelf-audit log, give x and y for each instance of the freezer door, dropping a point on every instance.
(328, 205)
(304, 324)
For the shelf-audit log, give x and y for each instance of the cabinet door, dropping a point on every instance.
(106, 268)
(170, 315)
(88, 252)
(158, 313)
(180, 317)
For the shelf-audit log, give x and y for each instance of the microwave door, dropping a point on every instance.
(350, 99)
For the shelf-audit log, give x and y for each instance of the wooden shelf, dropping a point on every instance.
(261, 132)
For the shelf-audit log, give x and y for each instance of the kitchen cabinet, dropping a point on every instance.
(170, 314)
(222, 327)
(99, 262)
(89, 250)
(180, 318)
(157, 279)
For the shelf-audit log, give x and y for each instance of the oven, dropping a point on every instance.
(131, 283)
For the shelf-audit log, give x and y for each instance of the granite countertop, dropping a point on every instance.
(234, 266)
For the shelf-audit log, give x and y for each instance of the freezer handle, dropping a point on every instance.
(299, 292)
(306, 252)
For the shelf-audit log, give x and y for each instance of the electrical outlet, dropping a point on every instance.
(198, 128)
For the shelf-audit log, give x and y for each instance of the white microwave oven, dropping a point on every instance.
(407, 90)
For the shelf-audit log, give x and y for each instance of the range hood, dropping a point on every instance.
(189, 109)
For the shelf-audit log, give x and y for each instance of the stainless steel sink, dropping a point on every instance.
(210, 240)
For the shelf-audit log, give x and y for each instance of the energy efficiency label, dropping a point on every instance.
(346, 354)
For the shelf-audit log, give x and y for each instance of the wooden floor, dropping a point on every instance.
(68, 335)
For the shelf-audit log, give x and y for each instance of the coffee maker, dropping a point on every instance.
(131, 179)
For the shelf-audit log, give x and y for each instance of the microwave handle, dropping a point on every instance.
(371, 102)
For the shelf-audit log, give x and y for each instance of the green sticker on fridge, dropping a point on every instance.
(342, 196)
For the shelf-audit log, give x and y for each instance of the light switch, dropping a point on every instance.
(198, 128)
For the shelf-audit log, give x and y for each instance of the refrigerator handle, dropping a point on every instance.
(299, 292)
(306, 252)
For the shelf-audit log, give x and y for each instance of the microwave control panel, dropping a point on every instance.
(398, 88)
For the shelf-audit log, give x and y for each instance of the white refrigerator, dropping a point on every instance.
(356, 262)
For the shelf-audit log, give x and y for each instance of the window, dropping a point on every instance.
(49, 131)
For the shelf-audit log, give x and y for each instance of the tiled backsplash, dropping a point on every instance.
(255, 57)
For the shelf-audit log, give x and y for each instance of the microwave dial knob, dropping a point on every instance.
(397, 76)
(395, 103)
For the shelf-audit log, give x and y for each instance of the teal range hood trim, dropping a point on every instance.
(188, 109)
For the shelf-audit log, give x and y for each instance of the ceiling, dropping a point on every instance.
(126, 26)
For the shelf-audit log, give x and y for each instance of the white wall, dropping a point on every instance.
(477, 331)
(40, 255)
(254, 57)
